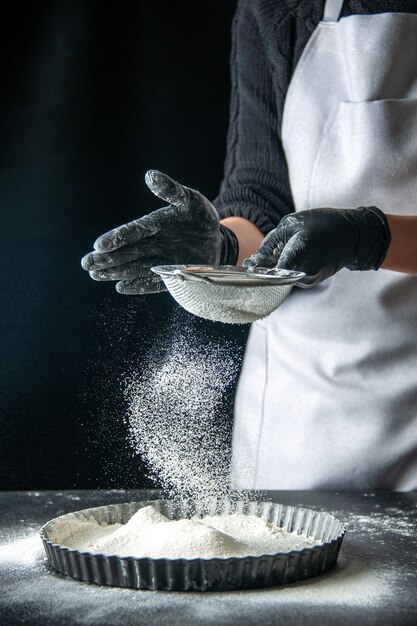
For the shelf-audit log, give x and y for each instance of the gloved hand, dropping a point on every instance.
(186, 231)
(320, 242)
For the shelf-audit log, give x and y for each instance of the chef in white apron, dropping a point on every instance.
(328, 393)
(327, 397)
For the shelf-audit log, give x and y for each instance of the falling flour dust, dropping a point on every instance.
(176, 418)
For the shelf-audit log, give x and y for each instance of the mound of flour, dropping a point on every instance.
(150, 534)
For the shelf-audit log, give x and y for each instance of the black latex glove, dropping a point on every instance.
(186, 231)
(320, 242)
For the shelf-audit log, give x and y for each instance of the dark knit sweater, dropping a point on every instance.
(268, 38)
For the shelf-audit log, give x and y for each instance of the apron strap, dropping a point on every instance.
(332, 10)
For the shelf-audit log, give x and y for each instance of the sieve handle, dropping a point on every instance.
(308, 282)
(192, 277)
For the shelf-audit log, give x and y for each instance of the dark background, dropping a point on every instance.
(92, 95)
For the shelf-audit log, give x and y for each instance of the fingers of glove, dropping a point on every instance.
(134, 252)
(259, 260)
(98, 275)
(268, 252)
(174, 193)
(140, 286)
(102, 260)
(87, 262)
(128, 233)
(135, 269)
(294, 253)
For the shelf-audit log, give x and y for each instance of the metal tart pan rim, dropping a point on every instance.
(111, 570)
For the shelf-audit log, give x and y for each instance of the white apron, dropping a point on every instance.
(327, 397)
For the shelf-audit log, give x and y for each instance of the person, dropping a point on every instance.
(320, 177)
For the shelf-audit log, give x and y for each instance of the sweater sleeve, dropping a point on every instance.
(268, 37)
(255, 184)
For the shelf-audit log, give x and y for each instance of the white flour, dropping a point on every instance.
(174, 416)
(22, 551)
(396, 521)
(150, 534)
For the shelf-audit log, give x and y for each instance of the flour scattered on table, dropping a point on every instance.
(150, 534)
(23, 550)
(174, 415)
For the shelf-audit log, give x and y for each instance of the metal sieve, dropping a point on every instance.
(230, 294)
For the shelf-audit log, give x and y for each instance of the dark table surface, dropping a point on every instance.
(374, 581)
